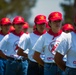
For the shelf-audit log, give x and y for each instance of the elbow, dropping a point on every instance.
(36, 55)
(19, 52)
(58, 58)
(55, 59)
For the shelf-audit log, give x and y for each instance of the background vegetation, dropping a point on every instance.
(11, 8)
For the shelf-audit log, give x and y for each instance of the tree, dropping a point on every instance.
(69, 11)
(74, 9)
(11, 8)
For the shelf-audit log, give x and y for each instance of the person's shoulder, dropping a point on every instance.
(65, 35)
(73, 33)
(68, 37)
(32, 33)
(24, 36)
(46, 34)
(69, 34)
(7, 35)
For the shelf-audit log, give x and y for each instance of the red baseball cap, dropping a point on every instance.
(11, 28)
(67, 27)
(47, 25)
(39, 19)
(18, 20)
(55, 16)
(26, 25)
(5, 21)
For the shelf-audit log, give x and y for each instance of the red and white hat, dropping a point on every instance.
(5, 21)
(26, 25)
(39, 19)
(55, 16)
(11, 28)
(67, 27)
(18, 20)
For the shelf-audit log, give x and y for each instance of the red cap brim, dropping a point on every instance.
(55, 19)
(41, 22)
(18, 23)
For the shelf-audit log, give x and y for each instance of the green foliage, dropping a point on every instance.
(69, 8)
(68, 11)
(11, 8)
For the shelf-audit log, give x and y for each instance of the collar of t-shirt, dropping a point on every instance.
(54, 34)
(38, 33)
(17, 34)
(3, 33)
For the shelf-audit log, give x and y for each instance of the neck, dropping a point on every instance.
(55, 30)
(17, 31)
(4, 32)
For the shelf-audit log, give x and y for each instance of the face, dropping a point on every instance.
(55, 25)
(41, 27)
(18, 27)
(25, 30)
(5, 28)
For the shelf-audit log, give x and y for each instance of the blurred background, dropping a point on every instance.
(30, 8)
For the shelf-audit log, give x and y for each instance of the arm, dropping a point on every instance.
(21, 52)
(3, 55)
(59, 61)
(36, 56)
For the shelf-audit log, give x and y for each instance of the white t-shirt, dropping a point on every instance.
(9, 45)
(28, 42)
(1, 37)
(68, 47)
(48, 44)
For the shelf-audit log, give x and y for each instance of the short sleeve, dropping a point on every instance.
(24, 42)
(39, 45)
(63, 47)
(4, 43)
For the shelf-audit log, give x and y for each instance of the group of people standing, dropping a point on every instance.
(40, 52)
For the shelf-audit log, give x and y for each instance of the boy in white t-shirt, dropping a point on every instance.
(5, 24)
(15, 64)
